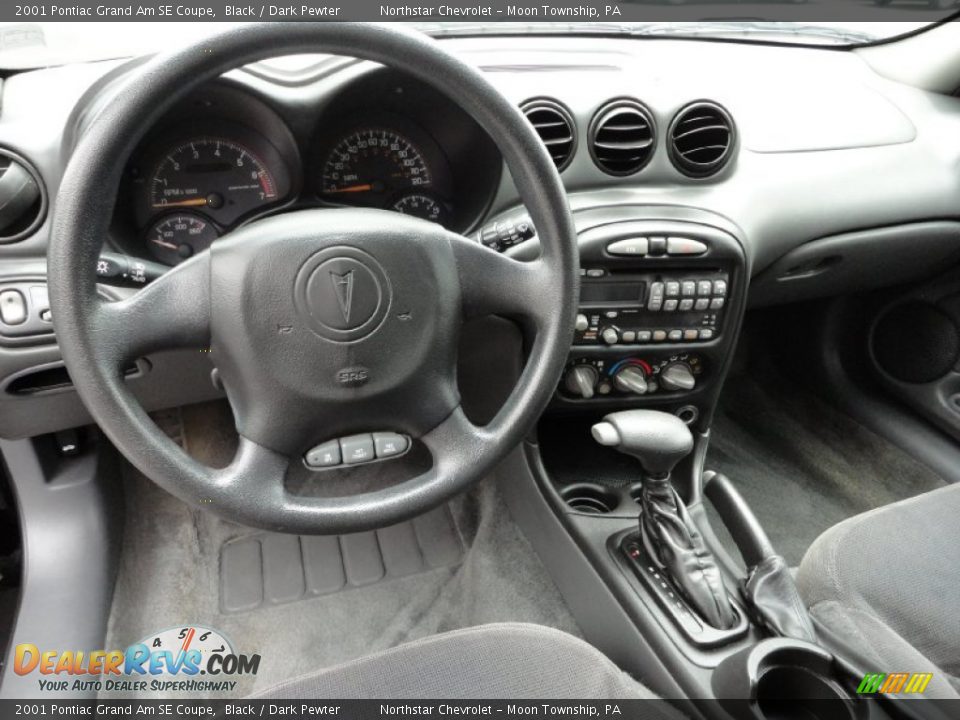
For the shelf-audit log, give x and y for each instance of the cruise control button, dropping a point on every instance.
(630, 246)
(388, 444)
(13, 308)
(356, 449)
(326, 455)
(685, 246)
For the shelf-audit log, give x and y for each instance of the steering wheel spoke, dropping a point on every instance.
(172, 312)
(494, 284)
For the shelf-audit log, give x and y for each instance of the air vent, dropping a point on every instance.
(702, 137)
(622, 137)
(554, 124)
(23, 202)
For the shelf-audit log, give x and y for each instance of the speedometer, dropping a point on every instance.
(211, 173)
(373, 167)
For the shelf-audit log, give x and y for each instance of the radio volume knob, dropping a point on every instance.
(631, 379)
(610, 335)
(677, 376)
(581, 380)
(582, 323)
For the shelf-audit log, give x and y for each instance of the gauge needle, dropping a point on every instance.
(164, 243)
(193, 202)
(351, 189)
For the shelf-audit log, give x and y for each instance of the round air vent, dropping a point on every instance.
(701, 140)
(622, 137)
(23, 200)
(554, 124)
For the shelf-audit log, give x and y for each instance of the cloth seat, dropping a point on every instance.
(886, 586)
(504, 660)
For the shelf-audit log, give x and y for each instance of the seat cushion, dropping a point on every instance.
(886, 586)
(507, 660)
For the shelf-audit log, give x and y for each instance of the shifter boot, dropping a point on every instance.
(671, 538)
(660, 441)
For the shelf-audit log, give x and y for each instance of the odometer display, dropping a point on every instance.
(373, 167)
(214, 174)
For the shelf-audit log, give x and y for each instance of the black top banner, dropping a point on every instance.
(480, 11)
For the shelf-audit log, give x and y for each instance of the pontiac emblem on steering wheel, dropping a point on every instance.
(343, 289)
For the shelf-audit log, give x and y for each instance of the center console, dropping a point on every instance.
(660, 307)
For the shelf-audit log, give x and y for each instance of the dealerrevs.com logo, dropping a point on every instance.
(184, 659)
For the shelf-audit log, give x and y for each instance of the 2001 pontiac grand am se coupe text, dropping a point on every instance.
(581, 363)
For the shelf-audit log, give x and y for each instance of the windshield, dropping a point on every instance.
(29, 45)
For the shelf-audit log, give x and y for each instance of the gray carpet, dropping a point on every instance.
(802, 465)
(169, 578)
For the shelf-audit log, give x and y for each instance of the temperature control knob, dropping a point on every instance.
(677, 376)
(631, 379)
(610, 335)
(581, 380)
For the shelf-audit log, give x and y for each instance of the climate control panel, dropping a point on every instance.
(587, 378)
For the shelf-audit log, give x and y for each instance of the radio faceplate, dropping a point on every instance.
(652, 307)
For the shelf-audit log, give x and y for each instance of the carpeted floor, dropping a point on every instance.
(169, 577)
(802, 465)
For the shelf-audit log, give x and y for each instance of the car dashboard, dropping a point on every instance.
(703, 177)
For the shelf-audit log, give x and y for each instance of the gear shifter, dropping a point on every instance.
(660, 441)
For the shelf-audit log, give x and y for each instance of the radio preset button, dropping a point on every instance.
(706, 334)
(629, 336)
(685, 246)
(690, 335)
(630, 246)
(675, 335)
(659, 335)
(644, 335)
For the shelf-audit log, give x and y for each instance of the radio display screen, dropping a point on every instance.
(611, 292)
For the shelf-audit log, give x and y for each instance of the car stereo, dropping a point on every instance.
(641, 308)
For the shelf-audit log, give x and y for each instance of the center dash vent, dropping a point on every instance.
(622, 137)
(701, 139)
(554, 124)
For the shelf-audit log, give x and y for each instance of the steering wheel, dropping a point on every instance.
(322, 323)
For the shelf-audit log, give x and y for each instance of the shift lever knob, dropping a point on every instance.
(657, 439)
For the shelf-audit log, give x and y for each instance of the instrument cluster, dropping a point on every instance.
(227, 157)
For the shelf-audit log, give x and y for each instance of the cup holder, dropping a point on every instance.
(590, 499)
(796, 693)
(784, 679)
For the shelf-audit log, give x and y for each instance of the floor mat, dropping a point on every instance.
(170, 578)
(801, 464)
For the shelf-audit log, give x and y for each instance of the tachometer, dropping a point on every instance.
(212, 173)
(372, 167)
(174, 238)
